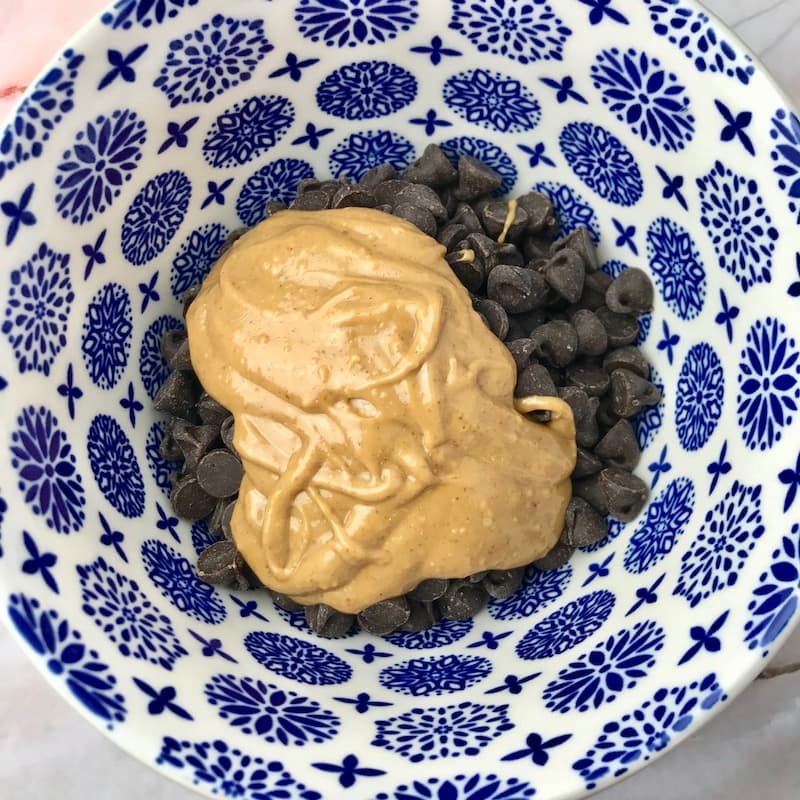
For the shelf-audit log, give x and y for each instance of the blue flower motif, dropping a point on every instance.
(705, 638)
(43, 458)
(645, 97)
(362, 151)
(427, 734)
(738, 225)
(366, 90)
(492, 100)
(296, 659)
(435, 674)
(775, 599)
(672, 187)
(436, 50)
(275, 715)
(362, 702)
(525, 33)
(211, 647)
(736, 126)
(218, 768)
(152, 367)
(768, 384)
(37, 309)
(727, 316)
(695, 35)
(94, 254)
(340, 23)
(61, 646)
(462, 787)
(39, 562)
(572, 210)
(70, 391)
(538, 590)
(115, 466)
(195, 257)
(160, 468)
(124, 13)
(679, 272)
(177, 134)
(39, 113)
(121, 66)
(567, 627)
(785, 132)
(602, 162)
(247, 130)
(645, 732)
(220, 54)
(720, 549)
(600, 675)
(659, 467)
(162, 700)
(202, 536)
(102, 159)
(312, 136)
(106, 338)
(565, 90)
(276, 180)
(149, 292)
(648, 423)
(719, 467)
(154, 216)
(701, 391)
(112, 538)
(175, 577)
(126, 616)
(18, 214)
(294, 67)
(487, 152)
(536, 748)
(349, 771)
(665, 520)
(602, 9)
(443, 633)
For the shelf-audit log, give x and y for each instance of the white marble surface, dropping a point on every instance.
(750, 750)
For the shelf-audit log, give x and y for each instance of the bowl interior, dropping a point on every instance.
(165, 126)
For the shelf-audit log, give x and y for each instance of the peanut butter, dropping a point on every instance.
(374, 413)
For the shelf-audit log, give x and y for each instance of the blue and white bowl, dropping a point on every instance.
(165, 125)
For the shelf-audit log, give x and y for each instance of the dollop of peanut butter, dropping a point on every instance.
(374, 413)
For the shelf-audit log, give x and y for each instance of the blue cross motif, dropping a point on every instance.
(112, 538)
(490, 640)
(669, 341)
(362, 702)
(736, 126)
(564, 90)
(149, 293)
(121, 66)
(70, 391)
(216, 193)
(18, 213)
(39, 562)
(719, 467)
(672, 187)
(177, 134)
(349, 770)
(162, 700)
(626, 234)
(727, 315)
(431, 121)
(94, 254)
(131, 404)
(598, 570)
(705, 639)
(312, 135)
(294, 67)
(436, 50)
(212, 647)
(536, 155)
(166, 522)
(645, 595)
(660, 467)
(512, 684)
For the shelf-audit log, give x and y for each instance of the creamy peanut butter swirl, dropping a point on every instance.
(374, 413)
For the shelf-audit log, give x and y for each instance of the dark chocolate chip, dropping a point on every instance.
(221, 510)
(495, 316)
(620, 447)
(630, 358)
(521, 351)
(586, 463)
(630, 393)
(419, 217)
(462, 600)
(422, 196)
(314, 200)
(428, 590)
(531, 320)
(466, 216)
(556, 343)
(625, 493)
(308, 185)
(383, 172)
(583, 526)
(387, 191)
(193, 441)
(566, 275)
(535, 381)
(502, 583)
(556, 558)
(475, 179)
(592, 336)
(622, 329)
(591, 490)
(508, 253)
(180, 358)
(328, 622)
(177, 395)
(210, 411)
(385, 616)
(515, 330)
(451, 235)
(631, 292)
(227, 515)
(584, 412)
(501, 224)
(171, 342)
(353, 197)
(219, 473)
(606, 417)
(189, 501)
(484, 247)
(226, 433)
(168, 447)
(580, 243)
(593, 380)
(422, 617)
(285, 602)
(541, 217)
(535, 247)
(222, 564)
(595, 286)
(273, 207)
(432, 168)
(477, 577)
(231, 239)
(468, 267)
(516, 289)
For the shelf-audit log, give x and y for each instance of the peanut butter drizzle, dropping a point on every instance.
(374, 413)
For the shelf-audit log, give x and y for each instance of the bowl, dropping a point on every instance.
(161, 128)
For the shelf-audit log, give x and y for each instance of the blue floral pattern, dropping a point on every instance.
(524, 33)
(297, 659)
(46, 466)
(106, 336)
(220, 54)
(40, 112)
(645, 97)
(539, 589)
(227, 771)
(768, 384)
(599, 676)
(152, 367)
(785, 132)
(427, 734)
(720, 549)
(154, 216)
(124, 13)
(568, 627)
(195, 257)
(275, 715)
(485, 151)
(435, 674)
(276, 180)
(366, 90)
(572, 210)
(665, 520)
(175, 577)
(736, 219)
(645, 732)
(88, 679)
(360, 152)
(699, 398)
(115, 467)
(492, 100)
(602, 162)
(97, 166)
(676, 265)
(126, 616)
(691, 30)
(462, 787)
(443, 633)
(777, 594)
(37, 309)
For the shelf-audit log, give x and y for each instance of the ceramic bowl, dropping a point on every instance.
(166, 124)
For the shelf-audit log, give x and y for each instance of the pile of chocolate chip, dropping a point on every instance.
(570, 328)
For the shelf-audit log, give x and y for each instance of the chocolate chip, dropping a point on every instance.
(219, 473)
(222, 510)
(606, 417)
(230, 241)
(591, 490)
(592, 336)
(508, 253)
(222, 564)
(586, 464)
(419, 217)
(521, 351)
(168, 447)
(583, 526)
(451, 235)
(385, 616)
(501, 224)
(593, 380)
(422, 617)
(466, 216)
(535, 247)
(171, 342)
(383, 172)
(516, 289)
(314, 200)
(328, 622)
(584, 412)
(535, 381)
(308, 185)
(484, 247)
(502, 583)
(630, 358)
(226, 433)
(556, 343)
(177, 395)
(285, 602)
(621, 329)
(189, 501)
(477, 577)
(462, 600)
(428, 590)
(432, 168)
(625, 494)
(630, 293)
(595, 285)
(580, 243)
(619, 447)
(566, 275)
(468, 267)
(539, 209)
(495, 316)
(515, 330)
(556, 558)
(475, 179)
(630, 393)
(387, 191)
(181, 359)
(193, 441)
(531, 320)
(417, 194)
(210, 411)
